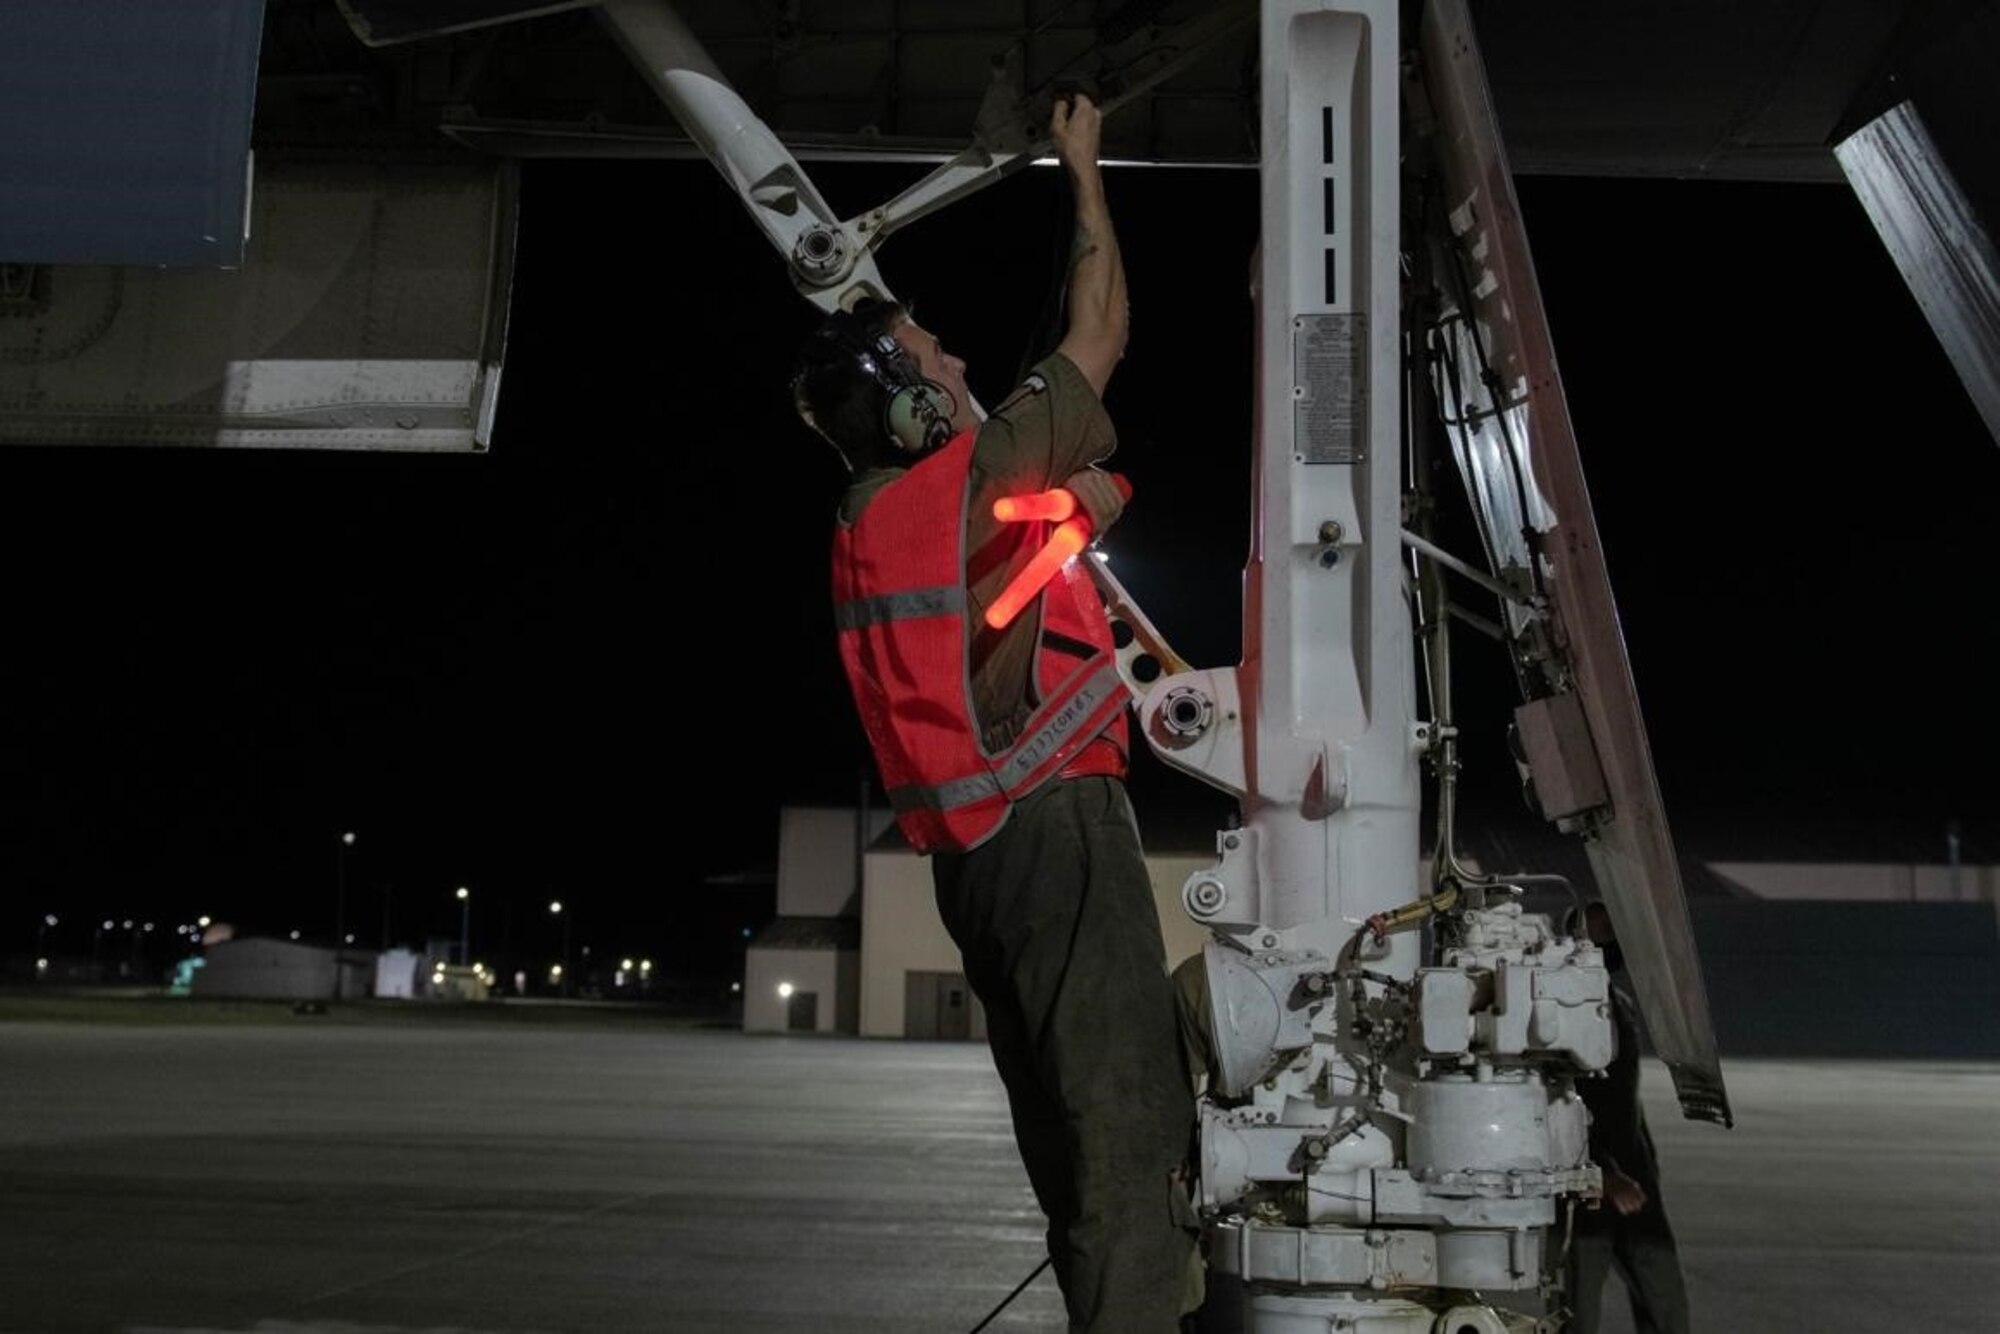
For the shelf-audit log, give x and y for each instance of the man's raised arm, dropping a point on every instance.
(1098, 320)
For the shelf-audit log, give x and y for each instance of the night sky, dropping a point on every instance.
(593, 663)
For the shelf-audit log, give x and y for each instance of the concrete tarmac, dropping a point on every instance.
(303, 1175)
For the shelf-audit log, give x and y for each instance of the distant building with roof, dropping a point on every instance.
(258, 967)
(801, 973)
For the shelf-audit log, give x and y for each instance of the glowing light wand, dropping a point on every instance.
(1072, 534)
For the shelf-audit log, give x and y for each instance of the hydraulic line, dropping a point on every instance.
(1490, 381)
(1448, 873)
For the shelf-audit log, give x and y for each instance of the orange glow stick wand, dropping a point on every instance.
(1054, 506)
(1071, 536)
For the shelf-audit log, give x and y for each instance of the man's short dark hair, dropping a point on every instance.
(832, 389)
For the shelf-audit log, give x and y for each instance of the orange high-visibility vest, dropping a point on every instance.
(899, 606)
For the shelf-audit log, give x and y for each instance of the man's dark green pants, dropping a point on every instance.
(1055, 919)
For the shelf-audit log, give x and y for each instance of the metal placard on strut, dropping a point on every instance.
(1329, 397)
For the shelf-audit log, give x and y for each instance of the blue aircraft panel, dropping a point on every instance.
(125, 130)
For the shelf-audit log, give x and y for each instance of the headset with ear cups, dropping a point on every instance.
(916, 413)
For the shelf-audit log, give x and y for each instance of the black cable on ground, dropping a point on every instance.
(1019, 1288)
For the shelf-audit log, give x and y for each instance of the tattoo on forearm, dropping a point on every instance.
(1082, 248)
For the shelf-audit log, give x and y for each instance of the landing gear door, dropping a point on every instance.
(1515, 449)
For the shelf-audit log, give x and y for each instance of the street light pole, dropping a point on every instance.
(340, 905)
(556, 909)
(464, 925)
(340, 886)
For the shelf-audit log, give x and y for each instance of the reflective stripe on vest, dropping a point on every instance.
(886, 607)
(1016, 774)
